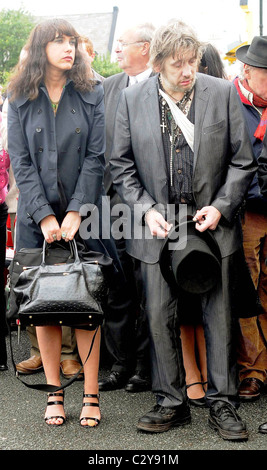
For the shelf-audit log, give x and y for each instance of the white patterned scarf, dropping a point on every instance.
(181, 120)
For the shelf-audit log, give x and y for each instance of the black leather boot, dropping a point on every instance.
(3, 353)
(224, 419)
(113, 381)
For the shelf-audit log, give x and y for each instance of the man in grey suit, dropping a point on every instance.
(201, 159)
(125, 328)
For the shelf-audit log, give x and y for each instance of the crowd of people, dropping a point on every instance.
(178, 148)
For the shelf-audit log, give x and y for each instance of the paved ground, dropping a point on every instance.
(23, 428)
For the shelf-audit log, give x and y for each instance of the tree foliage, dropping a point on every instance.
(15, 27)
(102, 64)
(14, 31)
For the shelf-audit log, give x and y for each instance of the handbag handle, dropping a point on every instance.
(74, 249)
(48, 387)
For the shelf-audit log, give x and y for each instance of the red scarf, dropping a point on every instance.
(259, 103)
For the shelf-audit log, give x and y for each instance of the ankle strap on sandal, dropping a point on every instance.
(91, 395)
(56, 394)
(191, 385)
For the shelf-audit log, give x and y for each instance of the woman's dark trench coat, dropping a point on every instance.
(66, 151)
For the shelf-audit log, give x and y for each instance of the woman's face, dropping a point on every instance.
(60, 52)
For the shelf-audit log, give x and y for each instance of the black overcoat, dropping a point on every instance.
(65, 150)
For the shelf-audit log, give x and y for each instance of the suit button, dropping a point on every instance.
(40, 150)
(73, 111)
(79, 149)
(38, 129)
(39, 111)
(179, 171)
(77, 130)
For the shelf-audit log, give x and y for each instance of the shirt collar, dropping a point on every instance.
(140, 77)
(247, 94)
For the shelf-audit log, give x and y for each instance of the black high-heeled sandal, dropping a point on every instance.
(196, 401)
(85, 418)
(56, 402)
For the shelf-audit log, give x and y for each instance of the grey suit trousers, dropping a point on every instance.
(162, 307)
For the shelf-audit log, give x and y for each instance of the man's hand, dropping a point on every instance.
(207, 218)
(157, 224)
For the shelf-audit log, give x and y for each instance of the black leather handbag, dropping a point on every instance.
(55, 253)
(64, 293)
(55, 285)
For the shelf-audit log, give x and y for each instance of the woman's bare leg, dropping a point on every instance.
(91, 368)
(50, 340)
(202, 354)
(192, 372)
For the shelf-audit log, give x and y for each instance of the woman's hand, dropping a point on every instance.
(50, 228)
(70, 225)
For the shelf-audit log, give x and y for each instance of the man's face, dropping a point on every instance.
(129, 53)
(257, 80)
(179, 73)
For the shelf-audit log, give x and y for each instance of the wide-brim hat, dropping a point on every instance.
(254, 54)
(190, 259)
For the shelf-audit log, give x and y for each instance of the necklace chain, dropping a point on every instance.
(168, 122)
(184, 99)
(54, 105)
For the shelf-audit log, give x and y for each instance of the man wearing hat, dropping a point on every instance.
(252, 89)
(263, 186)
(180, 143)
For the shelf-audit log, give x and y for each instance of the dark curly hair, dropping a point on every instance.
(30, 70)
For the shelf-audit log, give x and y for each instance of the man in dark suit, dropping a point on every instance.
(263, 187)
(252, 90)
(125, 328)
(203, 159)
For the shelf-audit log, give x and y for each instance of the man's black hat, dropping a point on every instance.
(254, 54)
(190, 259)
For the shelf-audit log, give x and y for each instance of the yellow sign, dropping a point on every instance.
(230, 55)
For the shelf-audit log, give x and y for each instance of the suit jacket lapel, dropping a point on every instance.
(151, 103)
(151, 109)
(152, 112)
(201, 101)
(123, 83)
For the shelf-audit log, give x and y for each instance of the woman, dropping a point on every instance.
(56, 120)
(4, 165)
(211, 62)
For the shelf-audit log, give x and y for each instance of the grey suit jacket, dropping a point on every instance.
(223, 159)
(113, 87)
